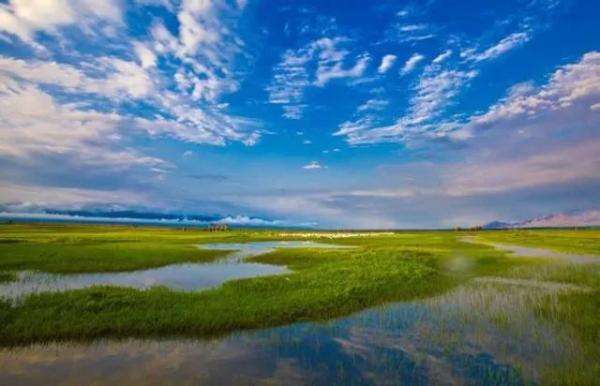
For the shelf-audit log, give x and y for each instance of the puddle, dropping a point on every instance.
(186, 277)
(536, 252)
(480, 334)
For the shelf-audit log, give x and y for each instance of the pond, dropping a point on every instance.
(186, 277)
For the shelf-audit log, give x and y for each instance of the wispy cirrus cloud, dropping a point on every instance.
(443, 56)
(410, 33)
(506, 44)
(293, 74)
(434, 90)
(386, 63)
(373, 104)
(439, 84)
(411, 63)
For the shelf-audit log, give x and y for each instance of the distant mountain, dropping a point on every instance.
(499, 225)
(556, 220)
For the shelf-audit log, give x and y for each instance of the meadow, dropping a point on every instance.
(323, 283)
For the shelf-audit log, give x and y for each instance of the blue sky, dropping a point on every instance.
(336, 114)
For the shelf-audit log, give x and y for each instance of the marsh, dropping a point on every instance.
(375, 308)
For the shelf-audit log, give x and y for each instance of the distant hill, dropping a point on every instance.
(556, 220)
(499, 225)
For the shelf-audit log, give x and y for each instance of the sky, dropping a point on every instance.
(333, 114)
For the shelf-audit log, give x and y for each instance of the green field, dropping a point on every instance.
(324, 283)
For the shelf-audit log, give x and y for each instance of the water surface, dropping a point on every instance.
(185, 277)
(478, 334)
(518, 250)
(486, 332)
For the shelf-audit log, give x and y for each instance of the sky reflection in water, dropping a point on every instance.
(482, 333)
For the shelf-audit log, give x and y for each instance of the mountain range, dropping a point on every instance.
(555, 220)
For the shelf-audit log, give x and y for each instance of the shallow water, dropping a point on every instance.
(538, 252)
(187, 277)
(481, 334)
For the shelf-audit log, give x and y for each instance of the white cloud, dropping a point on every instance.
(403, 13)
(190, 96)
(386, 63)
(331, 62)
(519, 143)
(412, 27)
(47, 127)
(241, 220)
(373, 105)
(292, 74)
(411, 63)
(329, 71)
(146, 56)
(569, 85)
(198, 25)
(24, 18)
(443, 56)
(572, 91)
(289, 81)
(293, 111)
(32, 197)
(312, 165)
(434, 91)
(506, 44)
(121, 77)
(356, 131)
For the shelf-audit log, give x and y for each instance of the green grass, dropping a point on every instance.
(582, 241)
(331, 284)
(102, 256)
(323, 283)
(64, 249)
(576, 312)
(7, 276)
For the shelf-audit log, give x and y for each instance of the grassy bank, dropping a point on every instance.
(75, 249)
(581, 241)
